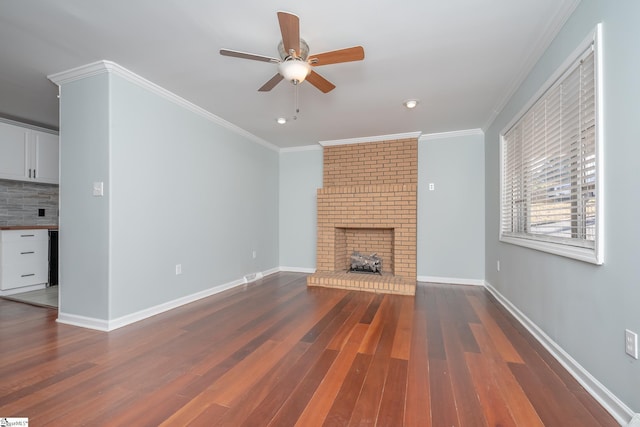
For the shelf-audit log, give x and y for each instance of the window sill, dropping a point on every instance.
(581, 254)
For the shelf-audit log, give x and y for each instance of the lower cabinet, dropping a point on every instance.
(24, 256)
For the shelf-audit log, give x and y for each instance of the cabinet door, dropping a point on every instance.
(46, 154)
(14, 161)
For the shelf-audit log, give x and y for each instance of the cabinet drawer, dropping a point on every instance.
(24, 270)
(12, 279)
(24, 235)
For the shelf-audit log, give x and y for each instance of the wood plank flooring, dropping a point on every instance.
(276, 353)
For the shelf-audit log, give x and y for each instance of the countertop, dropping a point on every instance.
(29, 227)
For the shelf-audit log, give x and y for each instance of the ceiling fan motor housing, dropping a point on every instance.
(303, 54)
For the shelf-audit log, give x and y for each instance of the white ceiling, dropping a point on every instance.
(460, 58)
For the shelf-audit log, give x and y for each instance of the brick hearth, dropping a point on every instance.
(368, 204)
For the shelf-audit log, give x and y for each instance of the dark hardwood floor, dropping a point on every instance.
(278, 353)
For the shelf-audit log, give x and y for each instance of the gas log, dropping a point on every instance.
(366, 263)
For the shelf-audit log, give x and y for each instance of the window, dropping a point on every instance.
(551, 184)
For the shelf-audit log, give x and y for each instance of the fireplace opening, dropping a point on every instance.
(367, 264)
(355, 243)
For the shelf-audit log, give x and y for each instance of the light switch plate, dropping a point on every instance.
(631, 343)
(98, 188)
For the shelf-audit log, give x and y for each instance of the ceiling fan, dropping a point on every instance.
(295, 64)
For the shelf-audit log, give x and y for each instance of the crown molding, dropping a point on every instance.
(83, 72)
(104, 66)
(379, 138)
(554, 26)
(452, 134)
(28, 126)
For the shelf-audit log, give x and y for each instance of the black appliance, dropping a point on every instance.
(53, 257)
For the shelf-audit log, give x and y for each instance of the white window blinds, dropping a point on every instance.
(549, 163)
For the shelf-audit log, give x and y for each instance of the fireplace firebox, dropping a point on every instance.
(369, 264)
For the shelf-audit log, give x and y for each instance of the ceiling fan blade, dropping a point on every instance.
(290, 29)
(271, 83)
(244, 55)
(349, 54)
(320, 82)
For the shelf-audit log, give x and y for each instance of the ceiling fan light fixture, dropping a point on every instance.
(410, 103)
(294, 70)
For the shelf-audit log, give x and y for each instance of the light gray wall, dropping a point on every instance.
(184, 191)
(300, 177)
(583, 307)
(450, 239)
(181, 189)
(451, 217)
(84, 219)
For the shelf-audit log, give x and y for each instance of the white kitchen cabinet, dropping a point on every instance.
(28, 155)
(44, 157)
(13, 149)
(24, 258)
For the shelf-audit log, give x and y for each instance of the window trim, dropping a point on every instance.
(593, 255)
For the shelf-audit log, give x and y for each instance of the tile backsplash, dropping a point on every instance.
(20, 201)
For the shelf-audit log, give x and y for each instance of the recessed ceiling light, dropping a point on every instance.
(281, 120)
(410, 103)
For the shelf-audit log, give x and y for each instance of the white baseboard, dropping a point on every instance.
(271, 271)
(83, 321)
(621, 412)
(451, 280)
(110, 325)
(169, 305)
(298, 270)
(249, 278)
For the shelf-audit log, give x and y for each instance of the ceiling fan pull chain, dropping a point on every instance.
(295, 101)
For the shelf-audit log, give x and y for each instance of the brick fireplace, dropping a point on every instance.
(368, 204)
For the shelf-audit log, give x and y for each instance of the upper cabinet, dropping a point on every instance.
(45, 153)
(13, 151)
(28, 155)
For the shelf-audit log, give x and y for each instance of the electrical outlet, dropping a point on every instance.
(255, 254)
(178, 269)
(498, 265)
(432, 186)
(631, 343)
